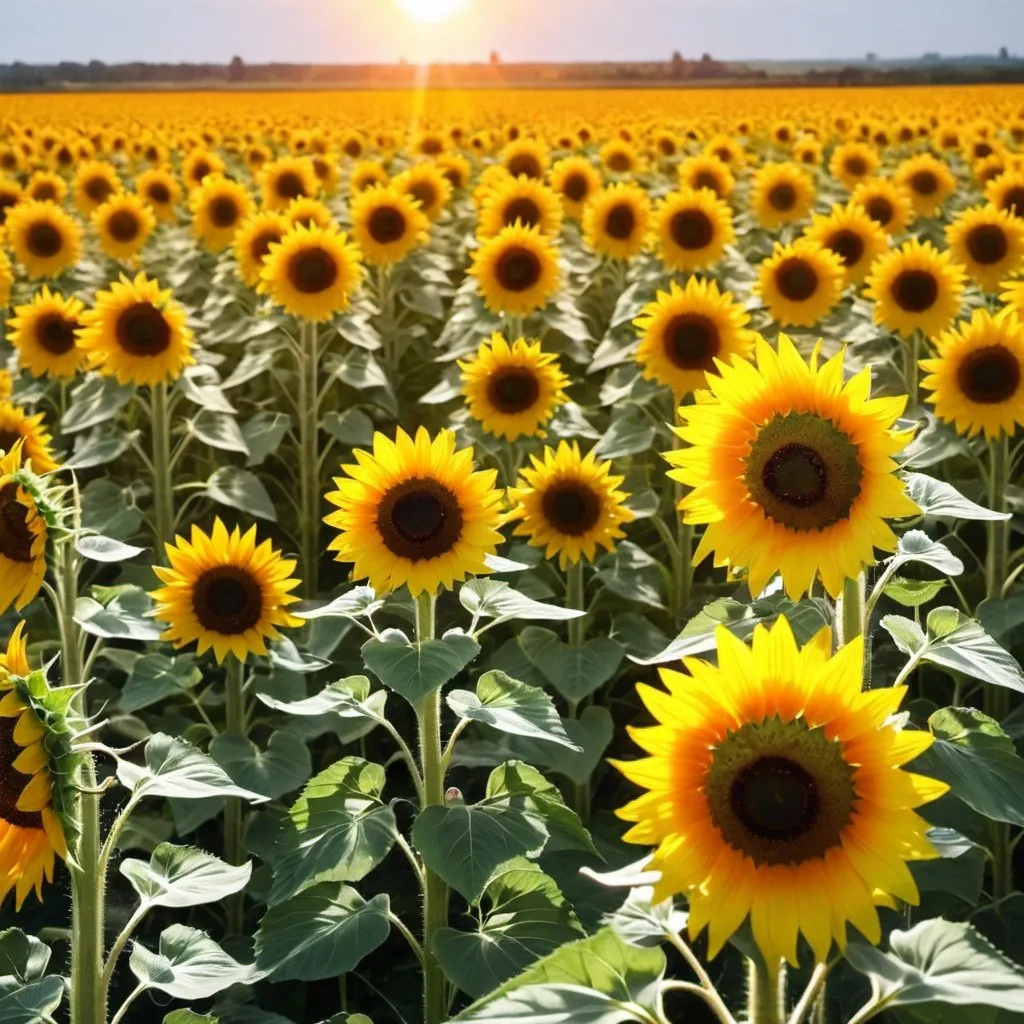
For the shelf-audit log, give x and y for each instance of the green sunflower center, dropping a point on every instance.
(513, 389)
(386, 225)
(782, 197)
(847, 245)
(227, 599)
(796, 279)
(571, 507)
(692, 342)
(691, 229)
(518, 269)
(16, 537)
(142, 330)
(989, 375)
(56, 334)
(419, 519)
(620, 222)
(123, 226)
(12, 782)
(44, 240)
(915, 291)
(987, 244)
(524, 210)
(804, 472)
(779, 792)
(312, 270)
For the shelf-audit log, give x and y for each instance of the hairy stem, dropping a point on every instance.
(765, 994)
(163, 490)
(309, 462)
(235, 725)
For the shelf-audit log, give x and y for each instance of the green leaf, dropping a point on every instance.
(347, 698)
(630, 433)
(939, 961)
(575, 672)
(527, 918)
(175, 768)
(182, 876)
(188, 965)
(494, 599)
(1004, 619)
(95, 400)
(978, 760)
(356, 603)
(238, 488)
(917, 546)
(263, 434)
(155, 677)
(321, 933)
(414, 670)
(22, 956)
(110, 508)
(351, 427)
(124, 617)
(105, 549)
(464, 844)
(282, 767)
(631, 573)
(913, 593)
(189, 1017)
(98, 447)
(959, 868)
(338, 825)
(32, 1003)
(937, 498)
(219, 430)
(505, 704)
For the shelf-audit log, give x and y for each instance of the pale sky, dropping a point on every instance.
(356, 31)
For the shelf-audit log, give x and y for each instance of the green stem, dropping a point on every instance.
(163, 490)
(683, 568)
(309, 475)
(575, 597)
(911, 354)
(435, 892)
(765, 994)
(235, 725)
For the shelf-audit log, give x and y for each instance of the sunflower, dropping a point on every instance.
(161, 190)
(1012, 295)
(136, 333)
(286, 179)
(427, 184)
(686, 330)
(1007, 192)
(781, 193)
(198, 165)
(707, 171)
(616, 221)
(456, 168)
(23, 534)
(47, 185)
(218, 207)
(692, 228)
(17, 425)
(852, 235)
(666, 145)
(792, 469)
(11, 194)
(512, 390)
(45, 239)
(31, 831)
(327, 170)
(523, 201)
(989, 169)
(619, 157)
(309, 211)
(124, 223)
(387, 225)
(801, 283)
(575, 179)
(6, 280)
(256, 155)
(776, 792)
(885, 202)
(977, 378)
(253, 240)
(916, 288)
(366, 174)
(94, 183)
(415, 512)
(728, 150)
(43, 332)
(568, 504)
(516, 271)
(928, 180)
(988, 242)
(526, 156)
(853, 162)
(312, 272)
(807, 151)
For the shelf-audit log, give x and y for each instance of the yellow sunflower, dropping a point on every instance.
(456, 168)
(776, 793)
(1013, 296)
(853, 162)
(11, 194)
(136, 333)
(977, 378)
(31, 831)
(219, 206)
(23, 535)
(124, 223)
(885, 202)
(224, 591)
(6, 280)
(616, 221)
(512, 390)
(309, 211)
(853, 236)
(619, 157)
(807, 151)
(575, 179)
(94, 183)
(45, 239)
(161, 190)
(989, 242)
(692, 228)
(17, 425)
(728, 150)
(415, 512)
(253, 240)
(387, 225)
(568, 504)
(427, 184)
(792, 469)
(285, 179)
(801, 283)
(781, 193)
(198, 165)
(47, 185)
(366, 174)
(43, 332)
(686, 330)
(312, 272)
(928, 180)
(522, 200)
(707, 171)
(516, 271)
(327, 170)
(526, 156)
(1007, 192)
(916, 288)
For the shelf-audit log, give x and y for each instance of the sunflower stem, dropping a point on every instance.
(235, 725)
(911, 355)
(766, 994)
(163, 490)
(850, 613)
(575, 597)
(435, 892)
(309, 476)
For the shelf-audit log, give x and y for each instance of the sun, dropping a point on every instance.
(431, 11)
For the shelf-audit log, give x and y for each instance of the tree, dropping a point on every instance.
(871, 57)
(677, 68)
(236, 69)
(1004, 53)
(495, 57)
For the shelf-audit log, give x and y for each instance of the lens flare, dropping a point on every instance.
(431, 11)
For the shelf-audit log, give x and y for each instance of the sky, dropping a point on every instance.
(375, 31)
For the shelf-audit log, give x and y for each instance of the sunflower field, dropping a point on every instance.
(512, 556)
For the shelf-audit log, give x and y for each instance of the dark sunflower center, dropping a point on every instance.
(989, 375)
(724, 154)
(353, 148)
(454, 176)
(915, 290)
(856, 166)
(15, 535)
(705, 179)
(524, 210)
(847, 245)
(924, 183)
(8, 200)
(1013, 200)
(321, 168)
(56, 334)
(775, 798)
(782, 197)
(691, 229)
(224, 212)
(880, 210)
(386, 225)
(425, 192)
(804, 472)
(692, 342)
(982, 150)
(667, 147)
(142, 330)
(620, 222)
(987, 244)
(796, 279)
(518, 269)
(312, 270)
(574, 188)
(419, 519)
(260, 245)
(200, 170)
(159, 192)
(12, 783)
(571, 507)
(513, 389)
(44, 190)
(123, 226)
(151, 154)
(619, 163)
(289, 185)
(525, 163)
(44, 240)
(227, 599)
(8, 439)
(431, 147)
(99, 190)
